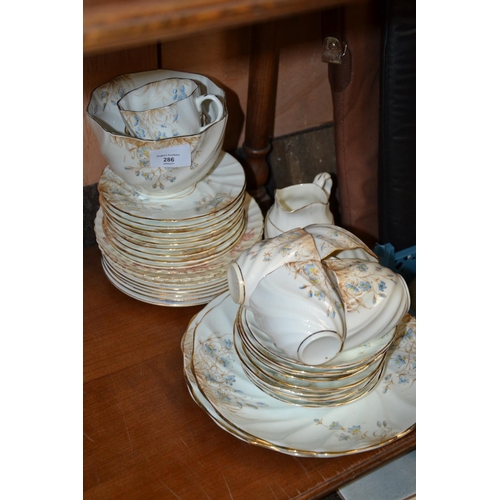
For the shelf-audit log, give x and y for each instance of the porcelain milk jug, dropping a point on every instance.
(300, 205)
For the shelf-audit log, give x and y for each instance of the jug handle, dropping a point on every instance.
(324, 181)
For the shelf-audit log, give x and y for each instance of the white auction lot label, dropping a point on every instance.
(175, 156)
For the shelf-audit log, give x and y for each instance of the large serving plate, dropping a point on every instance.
(217, 382)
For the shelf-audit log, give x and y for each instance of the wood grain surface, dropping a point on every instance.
(119, 24)
(144, 436)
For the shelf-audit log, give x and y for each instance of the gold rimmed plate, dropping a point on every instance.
(346, 361)
(215, 192)
(219, 385)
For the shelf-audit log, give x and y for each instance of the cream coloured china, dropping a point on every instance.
(178, 261)
(103, 109)
(293, 397)
(223, 184)
(181, 285)
(251, 214)
(218, 384)
(175, 261)
(300, 205)
(179, 231)
(335, 241)
(315, 303)
(327, 376)
(192, 240)
(178, 250)
(347, 363)
(309, 389)
(166, 108)
(306, 386)
(264, 257)
(140, 162)
(374, 297)
(162, 298)
(296, 306)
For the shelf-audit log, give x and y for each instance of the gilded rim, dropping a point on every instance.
(300, 393)
(210, 277)
(171, 232)
(145, 219)
(286, 365)
(306, 390)
(173, 261)
(175, 223)
(231, 428)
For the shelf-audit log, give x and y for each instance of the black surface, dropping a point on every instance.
(397, 168)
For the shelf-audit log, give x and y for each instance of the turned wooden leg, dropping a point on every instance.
(262, 84)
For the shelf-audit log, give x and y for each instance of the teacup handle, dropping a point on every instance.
(324, 181)
(218, 104)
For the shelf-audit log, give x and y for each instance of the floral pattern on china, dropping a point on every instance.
(132, 158)
(219, 384)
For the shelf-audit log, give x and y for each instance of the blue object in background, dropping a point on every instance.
(403, 262)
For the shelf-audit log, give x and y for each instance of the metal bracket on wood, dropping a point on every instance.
(333, 50)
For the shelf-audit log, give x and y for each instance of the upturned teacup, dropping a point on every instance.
(297, 307)
(172, 107)
(375, 298)
(264, 257)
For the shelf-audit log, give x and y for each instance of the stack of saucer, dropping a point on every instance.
(351, 375)
(175, 251)
(173, 207)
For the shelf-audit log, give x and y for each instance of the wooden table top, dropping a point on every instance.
(145, 437)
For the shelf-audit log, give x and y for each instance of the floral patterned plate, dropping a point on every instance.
(167, 260)
(164, 298)
(209, 198)
(253, 232)
(184, 286)
(217, 382)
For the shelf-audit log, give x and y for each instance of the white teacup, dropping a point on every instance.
(375, 298)
(299, 310)
(167, 108)
(264, 257)
(335, 241)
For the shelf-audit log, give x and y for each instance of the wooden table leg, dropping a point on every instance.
(262, 85)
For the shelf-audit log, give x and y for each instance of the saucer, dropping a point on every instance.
(184, 285)
(217, 382)
(217, 191)
(348, 361)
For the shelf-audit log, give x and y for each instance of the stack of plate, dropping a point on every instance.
(226, 359)
(348, 377)
(174, 250)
